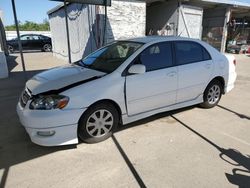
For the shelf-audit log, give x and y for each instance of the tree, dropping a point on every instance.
(30, 26)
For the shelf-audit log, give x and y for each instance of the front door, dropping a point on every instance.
(25, 41)
(156, 88)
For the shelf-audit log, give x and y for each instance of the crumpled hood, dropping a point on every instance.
(60, 77)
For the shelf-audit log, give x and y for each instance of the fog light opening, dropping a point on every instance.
(45, 133)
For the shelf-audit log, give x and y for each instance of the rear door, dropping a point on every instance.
(195, 67)
(156, 88)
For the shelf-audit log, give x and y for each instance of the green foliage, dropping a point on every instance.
(30, 26)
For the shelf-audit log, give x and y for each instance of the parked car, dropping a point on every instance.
(30, 42)
(120, 83)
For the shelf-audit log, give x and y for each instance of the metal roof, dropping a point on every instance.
(156, 38)
(229, 2)
(225, 2)
(56, 8)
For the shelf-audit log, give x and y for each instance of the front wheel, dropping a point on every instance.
(98, 123)
(10, 49)
(212, 94)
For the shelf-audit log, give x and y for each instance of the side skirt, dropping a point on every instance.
(129, 119)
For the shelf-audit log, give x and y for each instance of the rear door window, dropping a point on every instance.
(190, 52)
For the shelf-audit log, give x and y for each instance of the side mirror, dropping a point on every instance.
(137, 69)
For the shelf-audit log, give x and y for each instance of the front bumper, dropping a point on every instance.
(63, 123)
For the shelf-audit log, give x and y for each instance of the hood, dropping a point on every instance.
(60, 77)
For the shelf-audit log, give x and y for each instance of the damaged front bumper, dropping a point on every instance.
(50, 127)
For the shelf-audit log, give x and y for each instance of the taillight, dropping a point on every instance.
(234, 62)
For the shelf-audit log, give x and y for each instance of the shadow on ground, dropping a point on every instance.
(242, 116)
(15, 145)
(11, 59)
(241, 172)
(239, 177)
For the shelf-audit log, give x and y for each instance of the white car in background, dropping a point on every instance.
(120, 83)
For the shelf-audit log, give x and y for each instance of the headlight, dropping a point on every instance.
(49, 102)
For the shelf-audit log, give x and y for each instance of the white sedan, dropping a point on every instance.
(120, 83)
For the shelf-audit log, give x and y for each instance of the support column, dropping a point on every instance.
(225, 30)
(67, 30)
(18, 38)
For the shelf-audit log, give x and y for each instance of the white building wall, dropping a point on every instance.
(13, 34)
(126, 19)
(190, 21)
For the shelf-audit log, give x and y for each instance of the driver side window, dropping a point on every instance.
(26, 37)
(157, 56)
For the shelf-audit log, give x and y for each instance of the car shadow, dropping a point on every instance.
(15, 144)
(242, 116)
(153, 118)
(241, 172)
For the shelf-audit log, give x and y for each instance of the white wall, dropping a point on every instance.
(13, 34)
(190, 21)
(126, 19)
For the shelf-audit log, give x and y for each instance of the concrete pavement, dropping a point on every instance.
(191, 147)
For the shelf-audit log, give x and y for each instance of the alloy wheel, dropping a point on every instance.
(213, 94)
(47, 48)
(99, 123)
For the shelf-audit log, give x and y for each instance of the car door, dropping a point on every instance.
(195, 67)
(25, 41)
(35, 43)
(156, 88)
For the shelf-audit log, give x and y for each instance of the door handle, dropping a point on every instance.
(171, 74)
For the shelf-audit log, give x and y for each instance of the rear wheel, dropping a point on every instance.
(212, 94)
(47, 48)
(98, 123)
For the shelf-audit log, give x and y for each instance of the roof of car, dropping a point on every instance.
(149, 39)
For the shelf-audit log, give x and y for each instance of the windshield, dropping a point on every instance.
(110, 57)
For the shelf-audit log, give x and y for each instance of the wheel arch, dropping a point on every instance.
(109, 101)
(221, 80)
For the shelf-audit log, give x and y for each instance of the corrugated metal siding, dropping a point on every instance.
(80, 22)
(159, 15)
(213, 23)
(126, 19)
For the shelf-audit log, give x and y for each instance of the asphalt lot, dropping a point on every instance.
(191, 147)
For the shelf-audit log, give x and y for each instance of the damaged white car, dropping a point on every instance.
(120, 83)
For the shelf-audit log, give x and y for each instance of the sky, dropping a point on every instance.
(31, 10)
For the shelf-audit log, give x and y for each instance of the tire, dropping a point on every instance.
(10, 49)
(212, 94)
(47, 48)
(98, 123)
